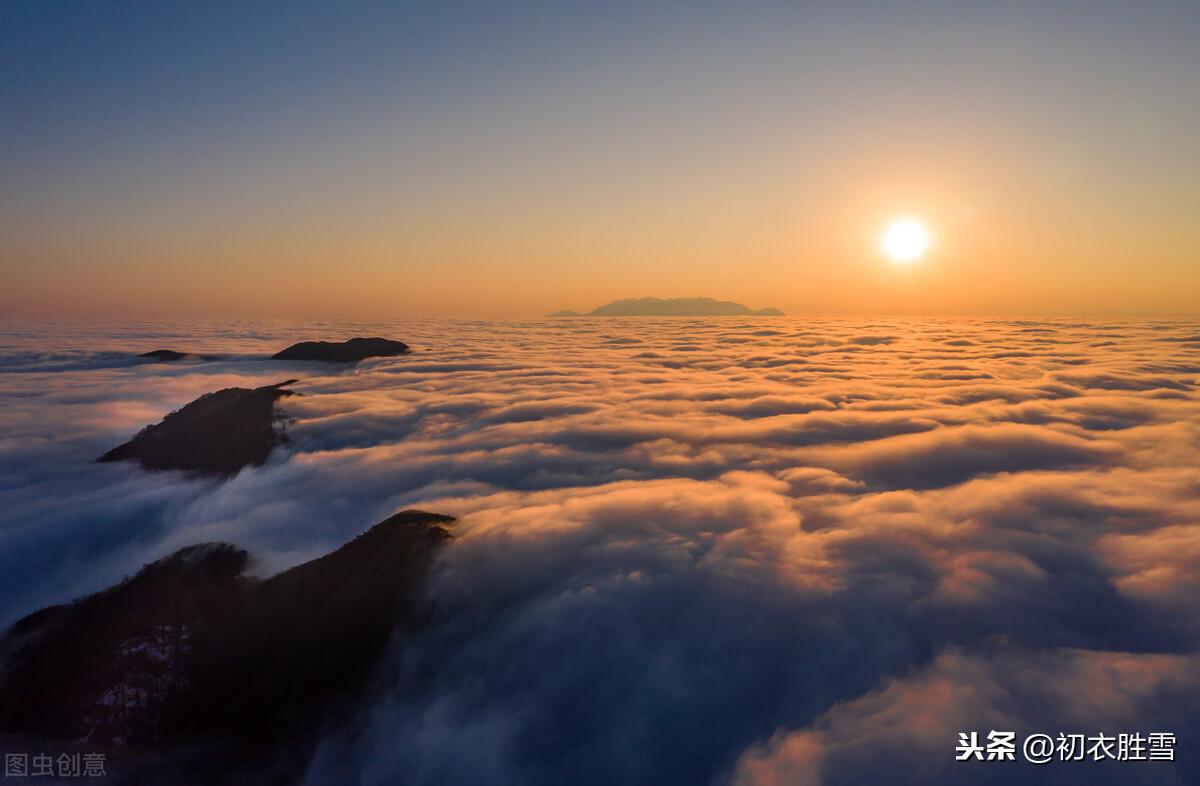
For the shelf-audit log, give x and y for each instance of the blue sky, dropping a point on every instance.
(603, 148)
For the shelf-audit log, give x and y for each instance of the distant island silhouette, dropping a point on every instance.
(164, 355)
(673, 307)
(351, 351)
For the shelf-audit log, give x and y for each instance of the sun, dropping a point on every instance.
(905, 240)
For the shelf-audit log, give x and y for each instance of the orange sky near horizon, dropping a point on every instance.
(757, 162)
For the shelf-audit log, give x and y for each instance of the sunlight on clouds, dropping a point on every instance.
(808, 543)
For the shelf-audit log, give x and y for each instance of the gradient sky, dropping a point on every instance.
(507, 159)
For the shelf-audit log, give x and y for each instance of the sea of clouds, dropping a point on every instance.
(689, 551)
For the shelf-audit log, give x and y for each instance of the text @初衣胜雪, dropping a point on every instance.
(1040, 748)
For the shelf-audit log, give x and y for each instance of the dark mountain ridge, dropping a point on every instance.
(191, 652)
(217, 434)
(164, 355)
(350, 351)
(673, 307)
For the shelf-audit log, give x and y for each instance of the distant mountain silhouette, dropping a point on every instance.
(345, 352)
(673, 307)
(165, 355)
(218, 433)
(191, 652)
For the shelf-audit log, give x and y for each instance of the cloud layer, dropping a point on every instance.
(778, 551)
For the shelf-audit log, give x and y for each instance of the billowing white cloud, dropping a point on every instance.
(689, 551)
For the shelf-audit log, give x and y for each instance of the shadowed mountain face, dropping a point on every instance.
(309, 636)
(218, 433)
(345, 352)
(104, 666)
(674, 307)
(191, 651)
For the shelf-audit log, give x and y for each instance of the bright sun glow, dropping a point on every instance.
(905, 240)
